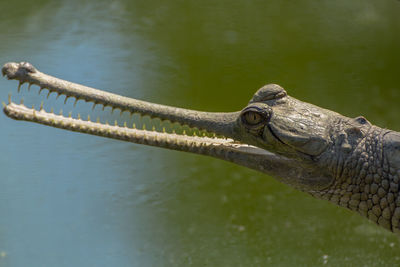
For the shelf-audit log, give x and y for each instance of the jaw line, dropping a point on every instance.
(219, 123)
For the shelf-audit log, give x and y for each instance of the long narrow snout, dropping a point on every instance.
(215, 122)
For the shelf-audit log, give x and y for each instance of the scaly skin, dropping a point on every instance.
(347, 161)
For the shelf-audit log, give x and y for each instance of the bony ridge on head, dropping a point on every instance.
(268, 92)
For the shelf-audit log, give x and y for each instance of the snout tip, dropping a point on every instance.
(13, 70)
(9, 69)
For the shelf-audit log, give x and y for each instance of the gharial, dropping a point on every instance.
(347, 161)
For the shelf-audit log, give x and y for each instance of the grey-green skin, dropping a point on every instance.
(347, 161)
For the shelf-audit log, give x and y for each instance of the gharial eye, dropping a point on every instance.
(252, 117)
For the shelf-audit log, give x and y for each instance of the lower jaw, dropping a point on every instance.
(154, 138)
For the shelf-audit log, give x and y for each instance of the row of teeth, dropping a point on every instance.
(66, 96)
(190, 131)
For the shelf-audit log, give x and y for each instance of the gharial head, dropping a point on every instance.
(274, 133)
(277, 122)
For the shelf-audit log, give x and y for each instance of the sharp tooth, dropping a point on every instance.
(79, 116)
(88, 117)
(58, 95)
(19, 87)
(41, 106)
(115, 123)
(144, 127)
(29, 86)
(125, 124)
(4, 104)
(41, 89)
(70, 114)
(66, 98)
(94, 104)
(61, 112)
(9, 98)
(163, 129)
(76, 101)
(153, 128)
(134, 126)
(48, 94)
(107, 122)
(52, 110)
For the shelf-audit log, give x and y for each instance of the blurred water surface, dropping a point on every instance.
(68, 199)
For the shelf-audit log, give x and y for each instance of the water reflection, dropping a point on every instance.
(70, 199)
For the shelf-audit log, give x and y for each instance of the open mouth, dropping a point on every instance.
(109, 122)
(164, 126)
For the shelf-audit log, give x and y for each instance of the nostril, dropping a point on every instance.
(28, 67)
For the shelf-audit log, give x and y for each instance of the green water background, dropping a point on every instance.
(68, 199)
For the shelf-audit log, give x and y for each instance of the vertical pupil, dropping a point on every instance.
(253, 117)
